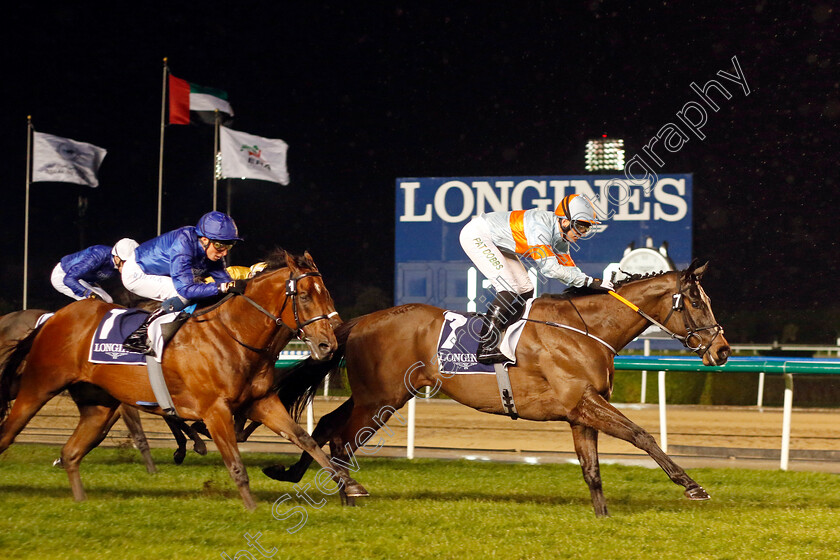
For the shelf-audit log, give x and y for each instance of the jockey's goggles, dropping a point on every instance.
(221, 246)
(581, 227)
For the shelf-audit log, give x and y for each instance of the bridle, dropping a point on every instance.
(691, 328)
(291, 295)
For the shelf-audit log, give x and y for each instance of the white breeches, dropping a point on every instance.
(57, 280)
(505, 272)
(145, 285)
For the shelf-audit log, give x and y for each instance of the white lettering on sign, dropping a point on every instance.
(619, 199)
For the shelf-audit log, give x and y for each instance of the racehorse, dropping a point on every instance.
(563, 370)
(218, 364)
(16, 325)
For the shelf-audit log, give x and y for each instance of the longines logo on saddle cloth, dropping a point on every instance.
(106, 346)
(458, 342)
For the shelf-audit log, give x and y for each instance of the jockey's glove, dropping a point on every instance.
(235, 287)
(599, 285)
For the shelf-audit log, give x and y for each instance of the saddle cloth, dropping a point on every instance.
(106, 346)
(458, 343)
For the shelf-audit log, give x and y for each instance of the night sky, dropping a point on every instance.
(366, 95)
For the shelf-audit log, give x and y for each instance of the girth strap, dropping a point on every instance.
(505, 391)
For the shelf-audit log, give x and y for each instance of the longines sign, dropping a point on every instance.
(430, 212)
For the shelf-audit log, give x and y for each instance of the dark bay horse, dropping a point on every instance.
(218, 365)
(560, 373)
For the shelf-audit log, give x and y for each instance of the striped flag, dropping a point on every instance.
(187, 100)
(63, 160)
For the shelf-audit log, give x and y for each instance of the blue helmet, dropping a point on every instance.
(217, 226)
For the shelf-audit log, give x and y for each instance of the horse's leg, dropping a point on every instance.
(131, 417)
(29, 401)
(219, 420)
(328, 425)
(198, 444)
(586, 447)
(245, 433)
(181, 440)
(271, 412)
(94, 422)
(594, 411)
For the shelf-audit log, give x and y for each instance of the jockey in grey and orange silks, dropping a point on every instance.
(494, 242)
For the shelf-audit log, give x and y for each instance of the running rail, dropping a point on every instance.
(785, 366)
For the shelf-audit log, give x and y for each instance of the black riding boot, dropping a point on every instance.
(138, 341)
(506, 309)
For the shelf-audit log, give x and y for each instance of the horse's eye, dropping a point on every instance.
(695, 304)
(304, 297)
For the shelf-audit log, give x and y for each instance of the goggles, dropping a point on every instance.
(581, 227)
(221, 246)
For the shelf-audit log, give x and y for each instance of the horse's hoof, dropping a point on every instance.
(276, 472)
(178, 456)
(355, 490)
(200, 448)
(697, 493)
(58, 463)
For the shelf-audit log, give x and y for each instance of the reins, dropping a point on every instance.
(691, 328)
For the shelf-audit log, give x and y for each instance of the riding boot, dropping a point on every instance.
(138, 341)
(504, 311)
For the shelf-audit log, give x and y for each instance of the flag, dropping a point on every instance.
(186, 98)
(65, 161)
(245, 156)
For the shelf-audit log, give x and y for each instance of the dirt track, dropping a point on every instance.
(705, 435)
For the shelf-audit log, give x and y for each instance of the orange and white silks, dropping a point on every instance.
(517, 229)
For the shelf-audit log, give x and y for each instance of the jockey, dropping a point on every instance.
(494, 241)
(78, 275)
(170, 268)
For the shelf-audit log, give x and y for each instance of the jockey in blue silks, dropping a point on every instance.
(78, 275)
(171, 267)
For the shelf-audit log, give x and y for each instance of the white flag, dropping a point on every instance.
(65, 161)
(245, 156)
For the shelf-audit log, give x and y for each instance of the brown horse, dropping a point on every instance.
(218, 364)
(17, 325)
(563, 371)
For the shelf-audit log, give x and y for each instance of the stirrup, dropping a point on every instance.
(137, 342)
(490, 356)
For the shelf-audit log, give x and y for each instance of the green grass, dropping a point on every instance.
(419, 509)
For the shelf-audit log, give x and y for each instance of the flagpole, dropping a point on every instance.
(162, 127)
(26, 209)
(215, 157)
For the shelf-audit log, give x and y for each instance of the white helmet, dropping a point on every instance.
(577, 208)
(124, 248)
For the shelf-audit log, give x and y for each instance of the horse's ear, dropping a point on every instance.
(309, 260)
(695, 269)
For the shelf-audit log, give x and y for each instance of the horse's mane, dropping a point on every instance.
(277, 259)
(636, 277)
(573, 292)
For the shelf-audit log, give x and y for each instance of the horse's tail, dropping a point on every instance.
(9, 373)
(297, 384)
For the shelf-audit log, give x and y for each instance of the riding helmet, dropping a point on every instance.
(124, 248)
(217, 226)
(577, 208)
